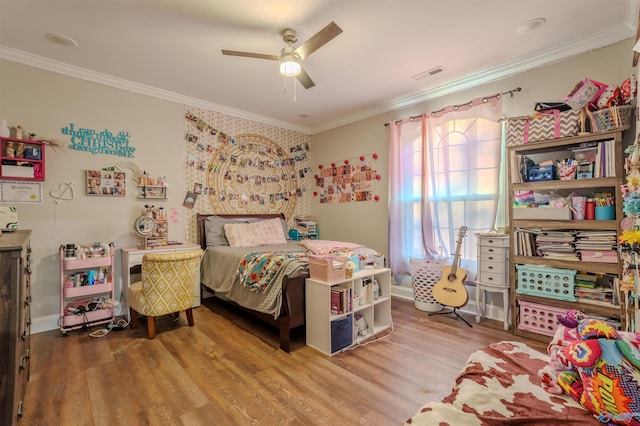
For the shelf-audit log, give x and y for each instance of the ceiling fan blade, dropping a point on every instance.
(250, 55)
(305, 80)
(318, 40)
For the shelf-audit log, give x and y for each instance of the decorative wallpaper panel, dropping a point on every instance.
(237, 166)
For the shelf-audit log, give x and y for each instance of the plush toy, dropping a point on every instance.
(361, 324)
(566, 333)
(605, 378)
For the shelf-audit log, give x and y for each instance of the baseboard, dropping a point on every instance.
(42, 324)
(491, 311)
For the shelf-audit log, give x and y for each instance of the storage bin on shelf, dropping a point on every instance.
(327, 268)
(613, 118)
(542, 213)
(608, 256)
(424, 275)
(539, 318)
(548, 282)
(341, 333)
(541, 173)
(552, 124)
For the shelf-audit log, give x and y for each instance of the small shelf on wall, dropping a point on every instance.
(156, 192)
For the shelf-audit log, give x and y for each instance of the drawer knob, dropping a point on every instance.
(21, 409)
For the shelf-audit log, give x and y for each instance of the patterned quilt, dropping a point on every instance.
(257, 269)
(500, 385)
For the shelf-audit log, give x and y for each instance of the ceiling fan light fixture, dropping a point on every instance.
(289, 66)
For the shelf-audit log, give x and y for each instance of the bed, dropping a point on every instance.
(500, 385)
(281, 305)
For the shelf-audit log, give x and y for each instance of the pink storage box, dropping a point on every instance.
(327, 268)
(539, 318)
(608, 256)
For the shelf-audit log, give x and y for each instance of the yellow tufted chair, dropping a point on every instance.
(166, 287)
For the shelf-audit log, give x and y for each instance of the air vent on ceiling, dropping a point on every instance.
(428, 73)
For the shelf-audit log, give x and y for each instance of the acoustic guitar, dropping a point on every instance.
(450, 290)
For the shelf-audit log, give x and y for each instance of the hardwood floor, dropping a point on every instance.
(219, 373)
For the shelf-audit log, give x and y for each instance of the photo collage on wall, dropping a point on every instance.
(243, 173)
(348, 182)
(107, 182)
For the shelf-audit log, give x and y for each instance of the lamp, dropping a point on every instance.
(289, 66)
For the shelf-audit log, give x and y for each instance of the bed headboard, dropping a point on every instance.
(202, 235)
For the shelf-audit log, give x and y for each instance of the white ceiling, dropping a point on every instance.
(172, 48)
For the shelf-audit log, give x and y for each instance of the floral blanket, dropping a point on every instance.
(257, 269)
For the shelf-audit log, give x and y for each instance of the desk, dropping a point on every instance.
(132, 256)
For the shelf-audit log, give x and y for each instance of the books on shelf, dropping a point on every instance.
(551, 244)
(340, 300)
(605, 159)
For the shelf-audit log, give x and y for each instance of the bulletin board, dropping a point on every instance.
(351, 181)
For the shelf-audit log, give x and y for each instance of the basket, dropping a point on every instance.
(539, 318)
(546, 282)
(552, 124)
(327, 268)
(612, 118)
(424, 275)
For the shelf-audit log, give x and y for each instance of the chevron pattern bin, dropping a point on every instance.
(543, 126)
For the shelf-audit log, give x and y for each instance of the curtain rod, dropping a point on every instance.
(484, 99)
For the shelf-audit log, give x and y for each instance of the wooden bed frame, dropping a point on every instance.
(292, 313)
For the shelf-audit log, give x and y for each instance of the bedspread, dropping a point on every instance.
(258, 269)
(219, 272)
(500, 385)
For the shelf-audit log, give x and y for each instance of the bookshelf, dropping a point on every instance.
(527, 225)
(357, 314)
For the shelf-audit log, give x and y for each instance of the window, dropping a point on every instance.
(445, 173)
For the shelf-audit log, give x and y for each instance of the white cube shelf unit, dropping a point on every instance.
(332, 326)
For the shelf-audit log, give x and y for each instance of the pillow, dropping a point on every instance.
(261, 233)
(285, 228)
(214, 229)
(628, 89)
(325, 246)
(609, 98)
(584, 93)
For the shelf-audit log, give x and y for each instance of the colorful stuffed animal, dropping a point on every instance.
(565, 334)
(606, 372)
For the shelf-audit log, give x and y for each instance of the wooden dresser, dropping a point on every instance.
(15, 323)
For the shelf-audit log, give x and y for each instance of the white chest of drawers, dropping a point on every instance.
(493, 272)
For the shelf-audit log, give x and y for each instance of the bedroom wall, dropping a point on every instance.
(368, 222)
(45, 102)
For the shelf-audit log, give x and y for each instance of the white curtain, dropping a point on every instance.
(445, 172)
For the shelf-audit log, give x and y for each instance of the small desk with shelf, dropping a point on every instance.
(131, 257)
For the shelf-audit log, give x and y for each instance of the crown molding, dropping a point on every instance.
(566, 51)
(593, 42)
(46, 64)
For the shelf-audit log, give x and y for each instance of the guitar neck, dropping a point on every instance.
(456, 259)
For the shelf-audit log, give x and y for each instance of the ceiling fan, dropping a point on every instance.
(290, 58)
